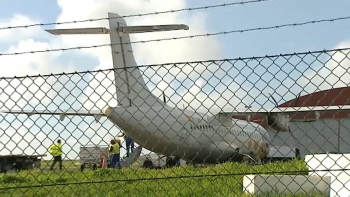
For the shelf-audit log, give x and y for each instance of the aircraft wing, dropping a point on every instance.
(97, 114)
(277, 110)
(278, 118)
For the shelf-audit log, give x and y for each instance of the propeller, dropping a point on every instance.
(272, 120)
(278, 121)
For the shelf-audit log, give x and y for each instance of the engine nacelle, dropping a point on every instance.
(279, 122)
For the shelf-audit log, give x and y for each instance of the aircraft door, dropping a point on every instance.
(186, 129)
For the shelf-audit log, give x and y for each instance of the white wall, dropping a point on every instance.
(317, 137)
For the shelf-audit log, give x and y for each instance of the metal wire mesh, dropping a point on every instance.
(210, 156)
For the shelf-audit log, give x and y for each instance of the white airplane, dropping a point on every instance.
(212, 137)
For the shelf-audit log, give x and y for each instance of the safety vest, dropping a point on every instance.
(116, 149)
(56, 149)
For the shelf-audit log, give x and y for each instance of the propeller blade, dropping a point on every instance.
(274, 99)
(297, 100)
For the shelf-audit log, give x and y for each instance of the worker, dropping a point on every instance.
(114, 152)
(56, 152)
(129, 144)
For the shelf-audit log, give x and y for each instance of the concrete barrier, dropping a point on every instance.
(257, 184)
(334, 165)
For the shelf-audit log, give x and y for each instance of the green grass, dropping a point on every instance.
(67, 164)
(183, 181)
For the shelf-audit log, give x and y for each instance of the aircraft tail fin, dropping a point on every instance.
(131, 87)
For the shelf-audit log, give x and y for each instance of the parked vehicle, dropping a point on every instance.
(92, 156)
(19, 162)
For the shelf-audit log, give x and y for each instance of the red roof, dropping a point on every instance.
(336, 96)
(331, 97)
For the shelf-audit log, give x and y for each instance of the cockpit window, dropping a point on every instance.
(259, 129)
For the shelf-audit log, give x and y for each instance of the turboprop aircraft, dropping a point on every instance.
(196, 137)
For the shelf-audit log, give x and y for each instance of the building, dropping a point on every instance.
(330, 133)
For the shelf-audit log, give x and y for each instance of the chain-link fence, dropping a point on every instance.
(207, 128)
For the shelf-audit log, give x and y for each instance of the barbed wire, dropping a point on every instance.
(177, 63)
(171, 177)
(183, 37)
(135, 15)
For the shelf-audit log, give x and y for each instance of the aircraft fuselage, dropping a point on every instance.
(175, 132)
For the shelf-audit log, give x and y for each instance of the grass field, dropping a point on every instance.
(220, 180)
(68, 164)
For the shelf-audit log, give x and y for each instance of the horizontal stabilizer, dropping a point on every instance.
(123, 29)
(96, 113)
(97, 30)
(151, 28)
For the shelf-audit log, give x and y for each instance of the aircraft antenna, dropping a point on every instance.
(164, 98)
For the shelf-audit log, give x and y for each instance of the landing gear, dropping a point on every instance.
(172, 162)
(244, 158)
(247, 159)
(236, 157)
(169, 162)
(147, 164)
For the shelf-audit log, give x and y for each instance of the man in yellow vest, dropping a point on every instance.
(56, 152)
(114, 152)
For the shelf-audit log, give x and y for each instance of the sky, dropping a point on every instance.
(237, 83)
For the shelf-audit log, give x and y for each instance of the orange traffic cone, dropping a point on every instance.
(104, 162)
